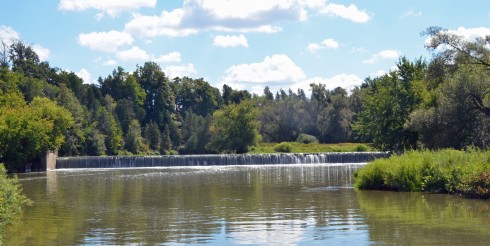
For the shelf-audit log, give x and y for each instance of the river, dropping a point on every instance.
(234, 205)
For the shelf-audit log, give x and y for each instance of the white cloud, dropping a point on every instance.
(384, 54)
(111, 7)
(133, 54)
(85, 76)
(230, 41)
(105, 41)
(167, 24)
(350, 12)
(42, 52)
(235, 16)
(410, 13)
(346, 81)
(327, 43)
(275, 69)
(170, 57)
(471, 33)
(179, 71)
(8, 35)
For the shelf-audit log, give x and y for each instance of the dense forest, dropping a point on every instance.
(444, 102)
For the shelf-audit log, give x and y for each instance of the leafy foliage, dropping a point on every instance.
(444, 171)
(283, 147)
(11, 200)
(235, 128)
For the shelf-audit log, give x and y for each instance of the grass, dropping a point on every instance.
(444, 171)
(265, 148)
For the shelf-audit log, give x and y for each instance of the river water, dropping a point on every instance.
(234, 205)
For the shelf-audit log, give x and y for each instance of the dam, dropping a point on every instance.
(214, 160)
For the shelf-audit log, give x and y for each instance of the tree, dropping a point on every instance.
(234, 128)
(387, 105)
(197, 95)
(159, 103)
(134, 141)
(451, 52)
(28, 130)
(456, 108)
(152, 136)
(109, 127)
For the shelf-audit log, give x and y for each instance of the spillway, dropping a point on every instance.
(213, 160)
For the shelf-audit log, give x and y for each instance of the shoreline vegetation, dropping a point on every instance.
(296, 147)
(448, 171)
(11, 200)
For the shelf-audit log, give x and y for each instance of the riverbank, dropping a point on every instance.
(268, 148)
(442, 171)
(11, 200)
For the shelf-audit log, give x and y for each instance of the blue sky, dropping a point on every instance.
(246, 44)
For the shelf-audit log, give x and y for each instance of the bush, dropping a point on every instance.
(443, 171)
(361, 148)
(11, 200)
(283, 147)
(306, 139)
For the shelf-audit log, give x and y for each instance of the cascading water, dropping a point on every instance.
(212, 160)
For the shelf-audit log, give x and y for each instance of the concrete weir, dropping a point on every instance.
(213, 160)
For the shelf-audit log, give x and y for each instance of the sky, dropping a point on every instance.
(246, 44)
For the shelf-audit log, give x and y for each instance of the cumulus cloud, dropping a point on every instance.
(85, 76)
(280, 72)
(350, 12)
(110, 7)
(384, 54)
(179, 70)
(346, 81)
(42, 52)
(170, 57)
(230, 41)
(275, 69)
(327, 43)
(105, 41)
(133, 54)
(471, 33)
(8, 35)
(237, 16)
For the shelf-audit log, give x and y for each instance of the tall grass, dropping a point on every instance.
(443, 171)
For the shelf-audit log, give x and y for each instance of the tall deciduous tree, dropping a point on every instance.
(235, 128)
(388, 103)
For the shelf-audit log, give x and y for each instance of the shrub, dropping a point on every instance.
(284, 147)
(361, 148)
(306, 139)
(11, 199)
(443, 171)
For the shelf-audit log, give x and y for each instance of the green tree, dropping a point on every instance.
(159, 103)
(27, 131)
(152, 136)
(388, 102)
(235, 128)
(134, 141)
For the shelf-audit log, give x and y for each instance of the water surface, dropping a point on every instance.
(232, 205)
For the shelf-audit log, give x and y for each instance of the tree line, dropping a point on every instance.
(436, 104)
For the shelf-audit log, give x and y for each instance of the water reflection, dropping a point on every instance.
(286, 205)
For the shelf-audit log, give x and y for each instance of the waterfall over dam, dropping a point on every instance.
(213, 160)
